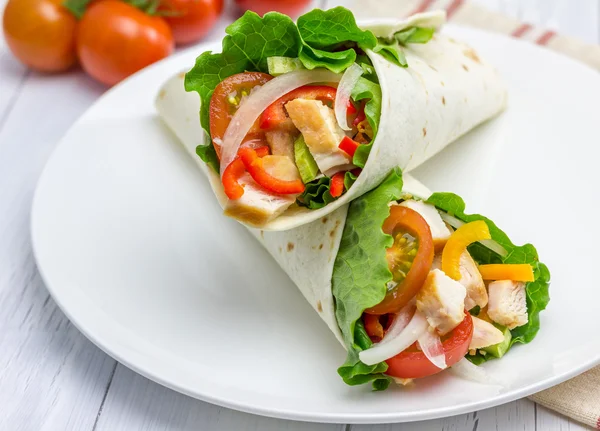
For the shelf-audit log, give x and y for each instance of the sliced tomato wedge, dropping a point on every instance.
(410, 273)
(225, 102)
(413, 364)
(275, 115)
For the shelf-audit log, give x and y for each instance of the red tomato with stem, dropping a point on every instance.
(115, 40)
(40, 33)
(190, 20)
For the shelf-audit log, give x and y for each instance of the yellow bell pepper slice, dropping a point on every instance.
(457, 244)
(514, 272)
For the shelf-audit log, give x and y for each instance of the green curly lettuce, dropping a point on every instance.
(361, 273)
(317, 192)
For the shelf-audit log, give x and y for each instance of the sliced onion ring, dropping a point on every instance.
(400, 321)
(342, 97)
(469, 371)
(432, 347)
(488, 243)
(260, 100)
(387, 349)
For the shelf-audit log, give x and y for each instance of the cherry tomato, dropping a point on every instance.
(408, 267)
(114, 40)
(413, 364)
(225, 101)
(40, 33)
(191, 20)
(261, 7)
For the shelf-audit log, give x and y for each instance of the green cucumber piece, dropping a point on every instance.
(280, 65)
(304, 161)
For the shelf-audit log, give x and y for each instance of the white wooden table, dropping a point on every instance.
(53, 378)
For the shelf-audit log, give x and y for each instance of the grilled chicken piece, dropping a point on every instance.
(508, 303)
(256, 206)
(281, 143)
(442, 300)
(470, 278)
(484, 334)
(439, 230)
(321, 133)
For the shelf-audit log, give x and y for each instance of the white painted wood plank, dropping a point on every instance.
(50, 380)
(135, 403)
(51, 377)
(12, 76)
(550, 420)
(515, 416)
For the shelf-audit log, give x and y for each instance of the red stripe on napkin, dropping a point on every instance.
(545, 38)
(521, 30)
(423, 6)
(598, 423)
(453, 8)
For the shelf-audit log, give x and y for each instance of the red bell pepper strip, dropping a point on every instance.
(337, 185)
(232, 174)
(234, 171)
(254, 166)
(262, 151)
(275, 114)
(351, 110)
(348, 145)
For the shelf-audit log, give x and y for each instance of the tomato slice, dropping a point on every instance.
(225, 102)
(410, 275)
(413, 364)
(275, 115)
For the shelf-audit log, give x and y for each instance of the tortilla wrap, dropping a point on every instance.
(445, 91)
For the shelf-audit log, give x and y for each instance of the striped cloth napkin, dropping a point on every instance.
(578, 398)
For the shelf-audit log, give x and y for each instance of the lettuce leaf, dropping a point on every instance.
(537, 291)
(327, 29)
(249, 42)
(365, 89)
(317, 192)
(414, 35)
(361, 273)
(391, 52)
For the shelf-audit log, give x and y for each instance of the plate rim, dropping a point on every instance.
(247, 407)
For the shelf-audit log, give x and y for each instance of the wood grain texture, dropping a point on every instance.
(51, 377)
(136, 403)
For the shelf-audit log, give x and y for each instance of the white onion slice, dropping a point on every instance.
(400, 321)
(432, 347)
(347, 83)
(488, 243)
(469, 371)
(385, 350)
(259, 100)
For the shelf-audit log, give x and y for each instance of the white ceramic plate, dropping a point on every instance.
(134, 249)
